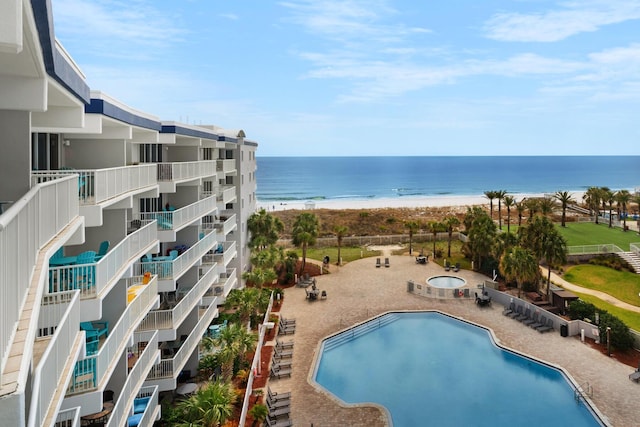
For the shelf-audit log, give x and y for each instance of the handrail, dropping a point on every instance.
(186, 170)
(173, 220)
(28, 221)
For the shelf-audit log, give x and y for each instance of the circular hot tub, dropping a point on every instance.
(446, 282)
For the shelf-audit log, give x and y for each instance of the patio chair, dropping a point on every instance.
(102, 251)
(456, 268)
(378, 262)
(84, 274)
(282, 354)
(516, 313)
(282, 412)
(284, 345)
(635, 376)
(92, 345)
(277, 396)
(275, 374)
(282, 403)
(323, 295)
(541, 322)
(547, 327)
(531, 320)
(524, 316)
(279, 365)
(447, 267)
(287, 321)
(281, 423)
(508, 310)
(94, 330)
(386, 262)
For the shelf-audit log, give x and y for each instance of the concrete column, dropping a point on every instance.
(15, 154)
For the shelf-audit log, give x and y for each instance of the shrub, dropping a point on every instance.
(579, 310)
(621, 337)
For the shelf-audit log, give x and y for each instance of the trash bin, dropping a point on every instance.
(564, 330)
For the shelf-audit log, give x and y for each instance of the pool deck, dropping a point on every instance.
(359, 291)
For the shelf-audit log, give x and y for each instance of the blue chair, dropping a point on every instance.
(104, 248)
(94, 330)
(134, 420)
(140, 404)
(92, 345)
(84, 274)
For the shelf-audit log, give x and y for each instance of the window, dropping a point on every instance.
(45, 151)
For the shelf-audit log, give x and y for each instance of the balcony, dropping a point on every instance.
(91, 371)
(168, 271)
(133, 386)
(228, 253)
(226, 166)
(165, 373)
(63, 343)
(226, 194)
(98, 186)
(172, 174)
(219, 291)
(172, 318)
(96, 279)
(68, 418)
(227, 223)
(171, 221)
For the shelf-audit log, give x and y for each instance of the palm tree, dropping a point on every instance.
(591, 198)
(232, 343)
(520, 208)
(532, 205)
(435, 227)
(546, 206)
(519, 264)
(412, 226)
(481, 231)
(490, 195)
(608, 196)
(244, 302)
(623, 197)
(554, 251)
(259, 413)
(500, 195)
(264, 229)
(450, 222)
(340, 231)
(305, 233)
(509, 202)
(210, 406)
(564, 197)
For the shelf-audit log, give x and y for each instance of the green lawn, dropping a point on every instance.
(588, 233)
(348, 253)
(622, 285)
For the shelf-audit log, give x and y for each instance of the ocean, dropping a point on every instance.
(357, 178)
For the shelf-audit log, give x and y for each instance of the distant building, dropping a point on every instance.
(120, 235)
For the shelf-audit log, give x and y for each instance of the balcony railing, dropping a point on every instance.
(174, 220)
(170, 368)
(98, 277)
(171, 319)
(226, 165)
(227, 222)
(228, 253)
(59, 313)
(173, 269)
(32, 221)
(226, 194)
(133, 385)
(99, 185)
(90, 371)
(68, 418)
(181, 171)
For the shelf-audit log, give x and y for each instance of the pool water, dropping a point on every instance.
(431, 369)
(447, 282)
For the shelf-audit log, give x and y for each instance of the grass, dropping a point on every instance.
(630, 318)
(622, 285)
(348, 253)
(588, 233)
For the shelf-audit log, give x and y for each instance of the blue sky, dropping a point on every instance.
(350, 77)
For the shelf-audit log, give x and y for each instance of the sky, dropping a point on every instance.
(376, 77)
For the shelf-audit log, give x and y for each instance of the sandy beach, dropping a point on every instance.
(397, 202)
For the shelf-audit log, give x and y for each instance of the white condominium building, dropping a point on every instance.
(120, 235)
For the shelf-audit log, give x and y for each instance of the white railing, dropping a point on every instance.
(133, 385)
(98, 277)
(186, 170)
(231, 281)
(255, 364)
(226, 193)
(90, 371)
(98, 185)
(228, 253)
(169, 368)
(227, 225)
(635, 248)
(28, 225)
(173, 220)
(60, 313)
(171, 319)
(593, 249)
(226, 165)
(68, 418)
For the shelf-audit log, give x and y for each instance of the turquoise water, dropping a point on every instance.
(326, 178)
(431, 369)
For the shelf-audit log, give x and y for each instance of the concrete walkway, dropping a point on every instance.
(558, 280)
(359, 291)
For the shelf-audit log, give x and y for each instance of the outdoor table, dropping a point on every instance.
(62, 261)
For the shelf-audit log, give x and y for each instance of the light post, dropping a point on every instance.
(608, 341)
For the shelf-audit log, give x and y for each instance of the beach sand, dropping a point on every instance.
(397, 202)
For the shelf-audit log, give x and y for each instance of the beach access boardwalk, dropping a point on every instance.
(359, 290)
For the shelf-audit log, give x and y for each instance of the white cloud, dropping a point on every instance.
(567, 20)
(230, 16)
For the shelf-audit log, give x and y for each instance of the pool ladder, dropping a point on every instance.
(580, 392)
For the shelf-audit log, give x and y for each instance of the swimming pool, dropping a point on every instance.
(447, 282)
(430, 368)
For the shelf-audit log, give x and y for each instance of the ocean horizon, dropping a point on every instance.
(285, 179)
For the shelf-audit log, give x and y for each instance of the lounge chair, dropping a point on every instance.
(284, 345)
(508, 310)
(280, 423)
(524, 316)
(275, 404)
(516, 313)
(386, 262)
(635, 376)
(456, 268)
(277, 396)
(323, 294)
(278, 364)
(282, 354)
(282, 412)
(547, 327)
(286, 330)
(539, 323)
(531, 320)
(287, 322)
(277, 374)
(378, 262)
